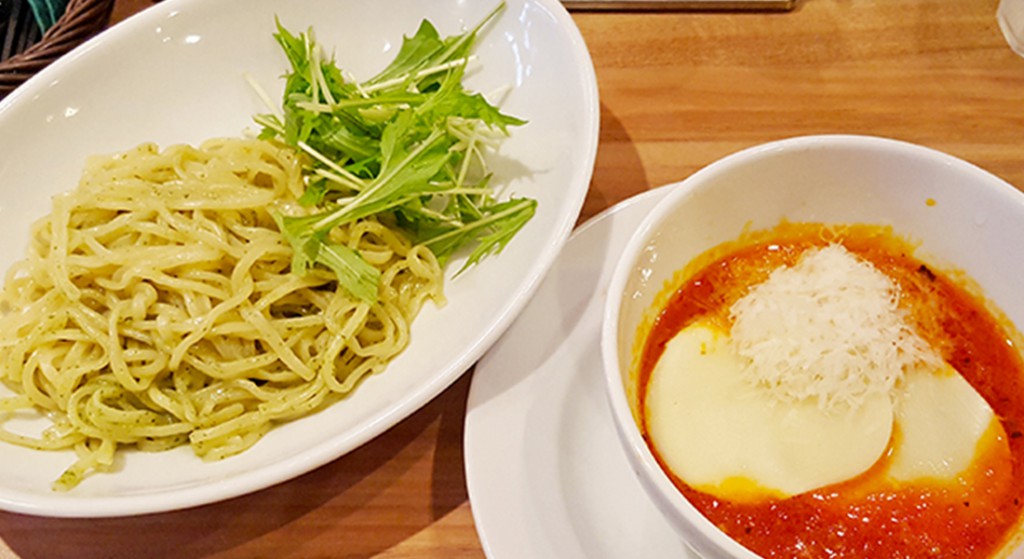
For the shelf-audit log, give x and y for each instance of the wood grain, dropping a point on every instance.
(678, 91)
(682, 90)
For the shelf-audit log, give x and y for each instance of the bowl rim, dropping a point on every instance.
(700, 533)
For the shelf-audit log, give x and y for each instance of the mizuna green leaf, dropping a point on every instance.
(406, 146)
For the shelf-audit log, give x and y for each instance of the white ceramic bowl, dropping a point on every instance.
(963, 217)
(176, 73)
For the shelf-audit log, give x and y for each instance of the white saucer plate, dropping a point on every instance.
(546, 474)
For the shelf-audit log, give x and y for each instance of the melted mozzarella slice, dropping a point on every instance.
(726, 436)
(941, 420)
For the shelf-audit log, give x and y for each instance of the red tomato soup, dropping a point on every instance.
(972, 516)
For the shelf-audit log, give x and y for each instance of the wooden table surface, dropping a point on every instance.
(678, 91)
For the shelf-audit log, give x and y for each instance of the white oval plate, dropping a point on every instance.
(175, 73)
(547, 476)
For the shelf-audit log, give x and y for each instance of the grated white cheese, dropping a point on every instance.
(827, 328)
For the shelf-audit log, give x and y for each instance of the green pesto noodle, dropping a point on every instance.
(155, 307)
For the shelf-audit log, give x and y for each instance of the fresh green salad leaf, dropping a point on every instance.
(406, 146)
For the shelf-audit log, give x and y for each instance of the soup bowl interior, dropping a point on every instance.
(959, 216)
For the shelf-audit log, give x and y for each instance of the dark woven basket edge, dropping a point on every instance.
(82, 19)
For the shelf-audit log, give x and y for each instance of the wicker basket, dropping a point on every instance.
(81, 20)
